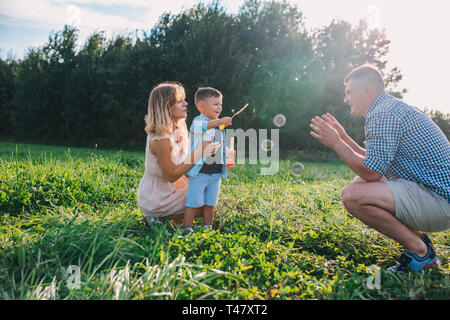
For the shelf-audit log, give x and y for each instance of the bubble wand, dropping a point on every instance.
(234, 115)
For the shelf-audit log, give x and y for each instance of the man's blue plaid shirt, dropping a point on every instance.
(403, 140)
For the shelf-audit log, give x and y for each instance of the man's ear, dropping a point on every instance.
(368, 90)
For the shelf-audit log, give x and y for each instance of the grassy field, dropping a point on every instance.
(70, 228)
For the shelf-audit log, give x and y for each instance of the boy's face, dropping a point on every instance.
(210, 107)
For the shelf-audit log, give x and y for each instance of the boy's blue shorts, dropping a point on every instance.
(203, 190)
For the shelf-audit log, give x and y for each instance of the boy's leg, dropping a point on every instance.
(211, 197)
(190, 214)
(195, 199)
(208, 215)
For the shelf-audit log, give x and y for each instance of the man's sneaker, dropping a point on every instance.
(426, 240)
(411, 261)
(429, 244)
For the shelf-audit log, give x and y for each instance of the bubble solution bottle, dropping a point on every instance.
(230, 160)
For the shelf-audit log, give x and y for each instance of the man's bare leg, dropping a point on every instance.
(373, 204)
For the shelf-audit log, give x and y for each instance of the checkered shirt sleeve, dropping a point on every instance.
(383, 134)
(402, 140)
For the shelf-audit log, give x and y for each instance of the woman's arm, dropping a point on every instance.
(161, 149)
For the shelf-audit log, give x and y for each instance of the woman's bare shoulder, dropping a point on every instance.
(160, 146)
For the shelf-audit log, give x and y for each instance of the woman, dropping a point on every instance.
(162, 190)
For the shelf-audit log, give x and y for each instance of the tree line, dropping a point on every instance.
(96, 95)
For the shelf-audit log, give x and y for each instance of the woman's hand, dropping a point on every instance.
(230, 153)
(210, 148)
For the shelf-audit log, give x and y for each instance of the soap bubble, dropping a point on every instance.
(297, 169)
(267, 145)
(279, 120)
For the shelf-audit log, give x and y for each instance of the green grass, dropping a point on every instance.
(275, 237)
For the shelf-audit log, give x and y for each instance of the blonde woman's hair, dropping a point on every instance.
(163, 96)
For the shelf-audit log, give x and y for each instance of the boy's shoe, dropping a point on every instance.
(411, 261)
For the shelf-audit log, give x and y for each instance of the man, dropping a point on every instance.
(403, 182)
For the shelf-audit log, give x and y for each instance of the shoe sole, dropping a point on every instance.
(434, 264)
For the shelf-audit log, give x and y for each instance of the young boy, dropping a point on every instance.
(205, 176)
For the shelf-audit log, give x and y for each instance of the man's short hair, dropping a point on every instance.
(366, 74)
(205, 93)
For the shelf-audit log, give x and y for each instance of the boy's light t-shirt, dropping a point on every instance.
(213, 164)
(199, 132)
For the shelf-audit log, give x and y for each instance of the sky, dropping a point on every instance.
(420, 45)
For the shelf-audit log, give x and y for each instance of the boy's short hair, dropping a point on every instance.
(205, 93)
(367, 74)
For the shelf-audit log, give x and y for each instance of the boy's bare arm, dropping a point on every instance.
(217, 122)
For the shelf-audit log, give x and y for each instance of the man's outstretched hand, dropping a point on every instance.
(331, 120)
(325, 132)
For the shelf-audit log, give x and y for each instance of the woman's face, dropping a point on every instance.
(179, 109)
